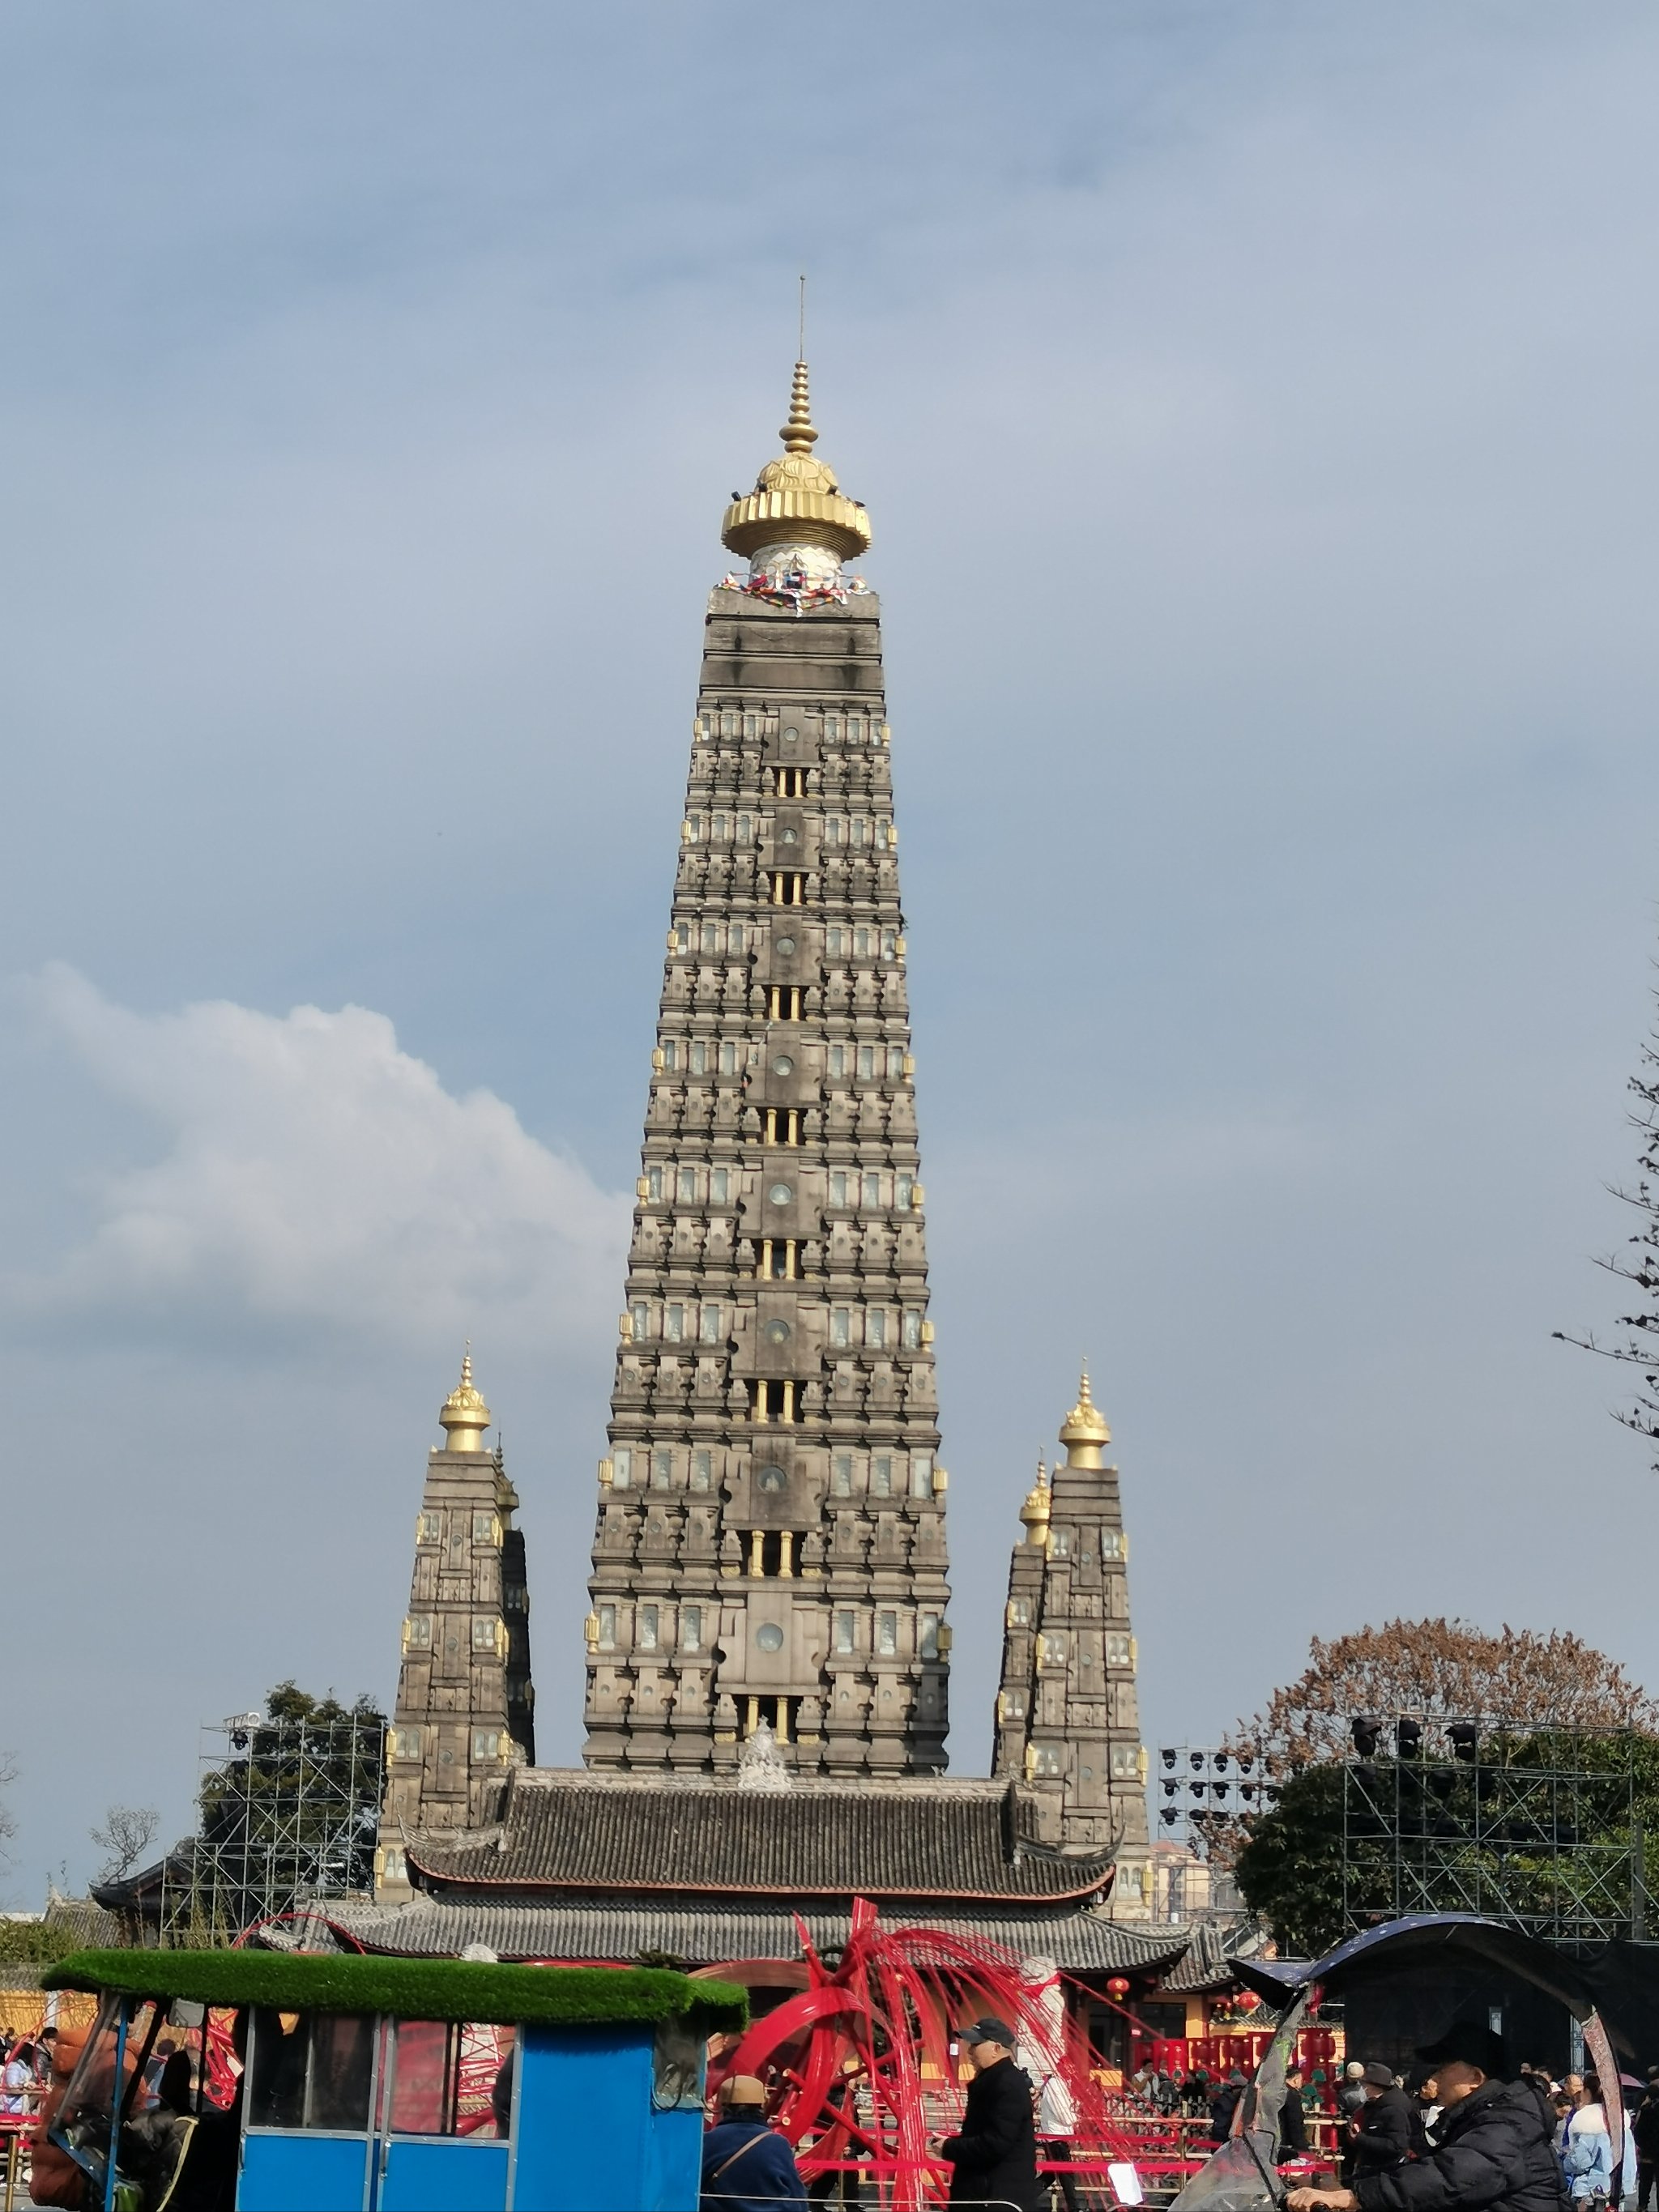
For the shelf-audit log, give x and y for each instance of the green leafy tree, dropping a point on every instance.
(33, 1943)
(291, 1815)
(1289, 1869)
(1547, 1703)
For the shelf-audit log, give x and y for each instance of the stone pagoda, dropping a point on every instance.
(464, 1713)
(1067, 1719)
(771, 1545)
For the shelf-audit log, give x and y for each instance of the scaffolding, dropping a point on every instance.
(1541, 1828)
(289, 1810)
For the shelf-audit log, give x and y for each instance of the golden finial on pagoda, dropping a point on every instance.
(797, 501)
(798, 434)
(1039, 1500)
(1084, 1431)
(464, 1415)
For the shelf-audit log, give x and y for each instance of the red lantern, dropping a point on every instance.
(1248, 2000)
(1117, 1987)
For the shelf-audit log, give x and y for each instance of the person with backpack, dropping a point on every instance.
(1224, 2105)
(747, 2166)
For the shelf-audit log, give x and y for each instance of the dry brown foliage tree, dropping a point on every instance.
(1443, 1668)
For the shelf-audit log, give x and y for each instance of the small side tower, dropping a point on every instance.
(1067, 1719)
(465, 1697)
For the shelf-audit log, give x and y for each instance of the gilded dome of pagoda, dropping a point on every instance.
(797, 500)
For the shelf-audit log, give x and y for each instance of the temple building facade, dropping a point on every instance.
(1067, 1716)
(766, 1643)
(770, 1543)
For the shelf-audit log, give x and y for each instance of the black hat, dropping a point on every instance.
(1379, 2075)
(988, 2030)
(1475, 2043)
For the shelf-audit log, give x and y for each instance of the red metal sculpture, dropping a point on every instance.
(860, 2060)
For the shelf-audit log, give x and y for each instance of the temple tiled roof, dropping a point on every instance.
(563, 1832)
(1078, 1941)
(1206, 1964)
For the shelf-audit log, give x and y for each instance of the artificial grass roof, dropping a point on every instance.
(408, 1989)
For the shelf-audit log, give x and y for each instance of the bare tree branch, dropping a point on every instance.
(1637, 1350)
(127, 1833)
(8, 1819)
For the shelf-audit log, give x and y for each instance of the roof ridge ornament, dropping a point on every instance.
(760, 1764)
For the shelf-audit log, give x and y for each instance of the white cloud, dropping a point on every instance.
(316, 1175)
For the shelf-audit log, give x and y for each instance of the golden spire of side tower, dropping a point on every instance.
(1084, 1431)
(1038, 1505)
(465, 1416)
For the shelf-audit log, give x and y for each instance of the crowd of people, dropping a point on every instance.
(25, 2067)
(1453, 2131)
(1458, 2132)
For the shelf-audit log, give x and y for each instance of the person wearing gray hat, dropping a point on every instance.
(1388, 2131)
(993, 2156)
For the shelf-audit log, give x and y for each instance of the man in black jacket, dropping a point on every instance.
(1492, 2145)
(1644, 2134)
(994, 2158)
(1292, 2117)
(1388, 2131)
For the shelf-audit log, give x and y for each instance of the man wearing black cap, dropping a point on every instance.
(994, 2158)
(1492, 2145)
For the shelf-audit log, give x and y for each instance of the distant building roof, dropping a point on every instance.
(564, 1832)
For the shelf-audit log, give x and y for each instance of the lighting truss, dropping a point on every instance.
(1197, 1789)
(1540, 1827)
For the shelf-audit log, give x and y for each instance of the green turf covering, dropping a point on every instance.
(407, 1989)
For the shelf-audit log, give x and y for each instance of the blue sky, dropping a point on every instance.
(1253, 404)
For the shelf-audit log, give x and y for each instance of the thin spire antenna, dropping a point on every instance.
(800, 345)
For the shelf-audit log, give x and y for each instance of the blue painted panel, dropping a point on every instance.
(323, 2173)
(428, 2176)
(588, 2139)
